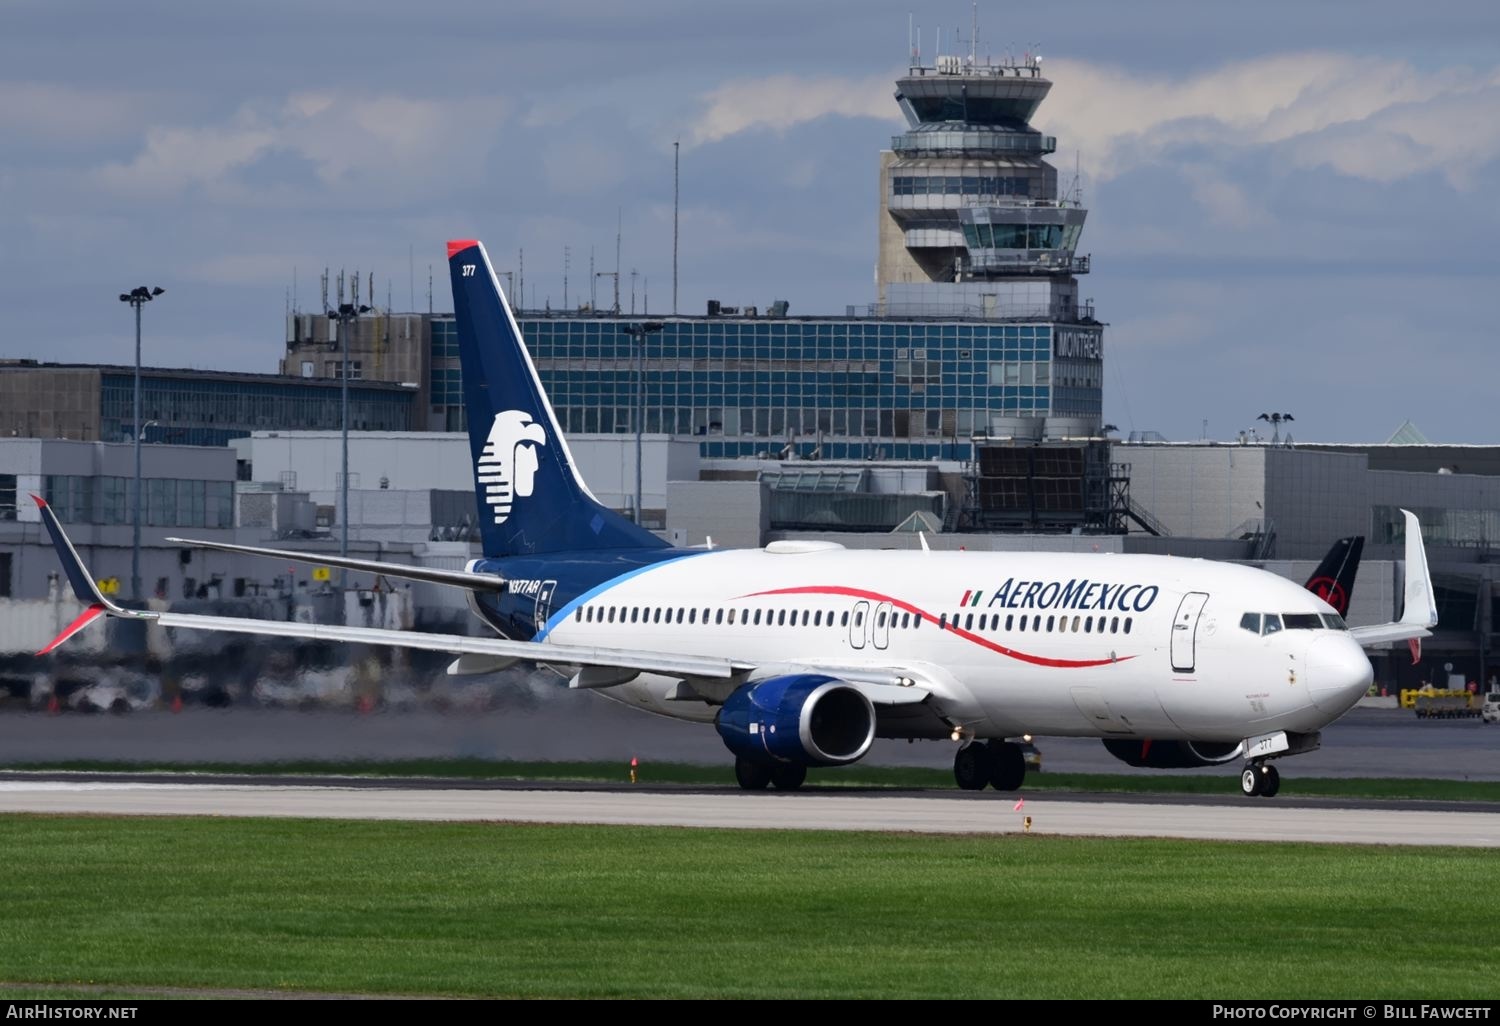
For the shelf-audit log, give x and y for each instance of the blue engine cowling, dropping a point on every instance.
(1171, 754)
(803, 718)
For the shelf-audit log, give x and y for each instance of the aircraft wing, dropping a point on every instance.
(431, 575)
(669, 664)
(1419, 610)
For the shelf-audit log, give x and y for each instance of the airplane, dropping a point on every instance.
(803, 652)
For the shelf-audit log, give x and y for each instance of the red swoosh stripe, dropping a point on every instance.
(85, 618)
(875, 596)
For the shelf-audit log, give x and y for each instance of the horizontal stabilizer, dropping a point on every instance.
(431, 575)
(1419, 610)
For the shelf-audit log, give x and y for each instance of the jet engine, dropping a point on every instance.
(803, 718)
(1171, 754)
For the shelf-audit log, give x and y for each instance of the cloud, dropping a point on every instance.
(384, 144)
(70, 115)
(781, 101)
(1366, 117)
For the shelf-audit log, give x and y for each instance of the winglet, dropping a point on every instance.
(84, 587)
(1420, 609)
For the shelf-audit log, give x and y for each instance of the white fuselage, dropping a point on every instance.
(1084, 645)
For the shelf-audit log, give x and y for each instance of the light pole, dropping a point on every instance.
(639, 332)
(345, 315)
(137, 298)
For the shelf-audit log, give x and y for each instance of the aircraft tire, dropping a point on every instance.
(751, 775)
(1007, 766)
(1251, 781)
(972, 766)
(788, 776)
(1270, 782)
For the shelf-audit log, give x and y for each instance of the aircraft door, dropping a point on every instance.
(882, 624)
(544, 603)
(1185, 631)
(857, 625)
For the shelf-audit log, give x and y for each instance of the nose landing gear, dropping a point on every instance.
(1260, 779)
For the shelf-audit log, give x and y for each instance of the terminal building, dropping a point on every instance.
(185, 407)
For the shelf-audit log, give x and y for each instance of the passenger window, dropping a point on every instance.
(757, 618)
(844, 619)
(1088, 624)
(818, 618)
(719, 616)
(1128, 621)
(1114, 625)
(781, 618)
(969, 622)
(804, 617)
(692, 616)
(1010, 619)
(1251, 622)
(1272, 624)
(943, 621)
(1049, 623)
(916, 620)
(1023, 623)
(1036, 622)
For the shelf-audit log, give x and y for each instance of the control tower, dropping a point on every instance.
(972, 224)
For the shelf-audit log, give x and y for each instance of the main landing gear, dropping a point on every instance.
(1260, 779)
(1000, 764)
(757, 776)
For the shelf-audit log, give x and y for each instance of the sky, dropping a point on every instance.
(1292, 205)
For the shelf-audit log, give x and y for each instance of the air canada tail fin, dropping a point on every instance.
(1333, 580)
(531, 497)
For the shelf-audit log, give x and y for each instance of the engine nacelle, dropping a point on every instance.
(804, 718)
(1172, 754)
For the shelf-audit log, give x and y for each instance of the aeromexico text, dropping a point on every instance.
(1076, 593)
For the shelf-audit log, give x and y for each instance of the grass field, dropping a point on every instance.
(540, 911)
(849, 776)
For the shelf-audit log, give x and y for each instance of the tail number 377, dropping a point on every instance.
(469, 270)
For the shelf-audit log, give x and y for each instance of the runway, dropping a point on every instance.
(551, 724)
(1251, 820)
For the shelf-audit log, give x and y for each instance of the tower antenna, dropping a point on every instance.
(676, 146)
(974, 35)
(567, 255)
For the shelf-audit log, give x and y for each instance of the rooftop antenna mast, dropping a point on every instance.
(593, 282)
(520, 279)
(676, 179)
(974, 35)
(429, 290)
(567, 256)
(411, 277)
(619, 222)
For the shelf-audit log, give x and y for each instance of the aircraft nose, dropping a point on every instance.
(1338, 673)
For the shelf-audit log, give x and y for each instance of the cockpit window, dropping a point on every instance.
(1301, 621)
(1251, 622)
(1334, 622)
(1272, 624)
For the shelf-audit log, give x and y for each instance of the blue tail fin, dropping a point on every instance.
(531, 498)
